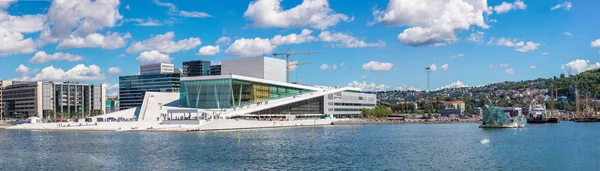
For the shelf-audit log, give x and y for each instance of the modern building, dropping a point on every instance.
(215, 70)
(259, 67)
(24, 99)
(112, 104)
(348, 103)
(3, 83)
(133, 88)
(196, 68)
(158, 68)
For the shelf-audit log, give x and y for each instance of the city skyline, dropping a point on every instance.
(464, 42)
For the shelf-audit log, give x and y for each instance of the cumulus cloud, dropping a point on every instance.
(595, 43)
(368, 86)
(457, 84)
(520, 46)
(311, 13)
(22, 24)
(14, 42)
(293, 65)
(566, 6)
(95, 40)
(510, 71)
(364, 77)
(164, 43)
(153, 56)
(114, 70)
(444, 67)
(112, 89)
(79, 18)
(377, 66)
(346, 40)
(324, 67)
(22, 70)
(42, 57)
(258, 46)
(506, 7)
(173, 10)
(140, 22)
(224, 41)
(578, 66)
(433, 67)
(532, 67)
(504, 65)
(78, 73)
(544, 53)
(431, 22)
(407, 88)
(334, 67)
(208, 50)
(476, 36)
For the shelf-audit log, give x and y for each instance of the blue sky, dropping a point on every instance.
(373, 44)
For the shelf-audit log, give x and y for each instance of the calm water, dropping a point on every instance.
(564, 146)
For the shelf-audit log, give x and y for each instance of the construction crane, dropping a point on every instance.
(287, 60)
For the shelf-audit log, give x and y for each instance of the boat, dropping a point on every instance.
(494, 117)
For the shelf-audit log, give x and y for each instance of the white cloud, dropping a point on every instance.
(506, 7)
(432, 22)
(293, 65)
(164, 43)
(457, 84)
(364, 77)
(568, 34)
(223, 41)
(79, 18)
(520, 46)
(208, 50)
(544, 53)
(491, 66)
(194, 14)
(476, 37)
(578, 66)
(532, 67)
(173, 10)
(407, 88)
(346, 40)
(259, 46)
(342, 64)
(334, 67)
(22, 70)
(110, 41)
(377, 66)
(324, 67)
(433, 67)
(153, 56)
(6, 4)
(112, 89)
(368, 87)
(127, 7)
(566, 6)
(311, 13)
(42, 57)
(510, 71)
(444, 67)
(504, 65)
(595, 43)
(23, 24)
(250, 47)
(457, 56)
(141, 22)
(114, 70)
(78, 73)
(13, 42)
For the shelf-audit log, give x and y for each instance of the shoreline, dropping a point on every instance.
(228, 125)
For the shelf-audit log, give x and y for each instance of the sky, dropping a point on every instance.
(371, 44)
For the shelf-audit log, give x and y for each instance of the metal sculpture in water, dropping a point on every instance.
(493, 115)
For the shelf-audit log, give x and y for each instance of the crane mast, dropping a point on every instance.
(287, 61)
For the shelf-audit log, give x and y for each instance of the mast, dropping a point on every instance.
(552, 101)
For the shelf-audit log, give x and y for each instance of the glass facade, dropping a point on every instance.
(230, 93)
(310, 106)
(133, 88)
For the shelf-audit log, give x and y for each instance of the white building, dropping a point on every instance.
(259, 67)
(158, 68)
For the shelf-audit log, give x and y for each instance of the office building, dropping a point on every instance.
(3, 83)
(158, 68)
(258, 67)
(112, 104)
(25, 99)
(133, 88)
(215, 70)
(196, 68)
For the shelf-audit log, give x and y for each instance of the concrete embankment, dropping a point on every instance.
(408, 121)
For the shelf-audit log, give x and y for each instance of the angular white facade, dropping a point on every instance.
(258, 67)
(343, 103)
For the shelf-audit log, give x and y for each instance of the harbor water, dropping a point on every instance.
(563, 146)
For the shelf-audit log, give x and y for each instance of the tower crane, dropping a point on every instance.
(287, 60)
